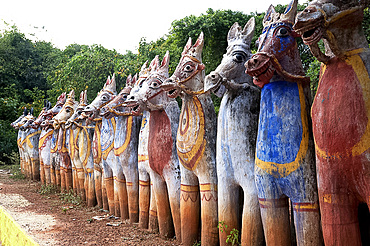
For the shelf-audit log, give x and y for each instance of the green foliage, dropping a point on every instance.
(48, 190)
(233, 237)
(70, 197)
(14, 167)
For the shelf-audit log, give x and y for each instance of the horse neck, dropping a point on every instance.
(346, 39)
(291, 63)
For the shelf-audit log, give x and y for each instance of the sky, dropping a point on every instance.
(114, 24)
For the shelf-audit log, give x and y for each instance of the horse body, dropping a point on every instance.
(16, 125)
(285, 166)
(93, 111)
(340, 114)
(44, 140)
(29, 143)
(236, 138)
(54, 171)
(195, 147)
(124, 169)
(60, 120)
(161, 115)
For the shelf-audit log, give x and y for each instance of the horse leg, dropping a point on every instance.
(252, 229)
(153, 216)
(98, 186)
(47, 174)
(307, 224)
(90, 187)
(80, 179)
(104, 195)
(121, 195)
(144, 198)
(189, 207)
(35, 162)
(228, 209)
(42, 172)
(173, 188)
(109, 187)
(132, 185)
(275, 219)
(163, 206)
(340, 223)
(209, 212)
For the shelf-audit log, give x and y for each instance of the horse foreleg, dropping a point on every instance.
(275, 219)
(163, 206)
(189, 211)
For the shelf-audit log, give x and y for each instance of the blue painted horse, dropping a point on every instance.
(285, 163)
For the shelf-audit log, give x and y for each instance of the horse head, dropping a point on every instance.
(231, 70)
(189, 74)
(92, 111)
(116, 106)
(27, 121)
(144, 73)
(151, 96)
(66, 112)
(337, 22)
(41, 117)
(277, 56)
(76, 116)
(15, 123)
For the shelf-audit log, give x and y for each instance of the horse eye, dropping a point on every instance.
(282, 32)
(125, 97)
(238, 57)
(155, 84)
(79, 112)
(68, 110)
(188, 68)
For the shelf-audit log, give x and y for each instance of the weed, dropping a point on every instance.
(48, 189)
(197, 243)
(233, 237)
(15, 171)
(70, 197)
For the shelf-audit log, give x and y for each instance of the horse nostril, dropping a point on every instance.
(213, 76)
(169, 80)
(132, 98)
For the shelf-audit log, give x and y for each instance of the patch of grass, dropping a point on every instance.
(70, 197)
(15, 171)
(48, 189)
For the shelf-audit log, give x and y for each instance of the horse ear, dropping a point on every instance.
(45, 103)
(200, 42)
(187, 46)
(134, 79)
(166, 60)
(154, 64)
(233, 32)
(49, 105)
(269, 12)
(248, 30)
(129, 80)
(290, 12)
(25, 111)
(71, 94)
(31, 111)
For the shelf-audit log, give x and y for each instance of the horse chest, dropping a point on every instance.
(160, 143)
(341, 109)
(191, 142)
(282, 140)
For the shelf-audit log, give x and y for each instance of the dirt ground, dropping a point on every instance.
(52, 221)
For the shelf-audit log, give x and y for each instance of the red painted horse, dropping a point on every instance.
(340, 114)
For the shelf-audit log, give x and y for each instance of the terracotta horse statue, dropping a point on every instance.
(74, 131)
(93, 113)
(124, 169)
(54, 154)
(196, 146)
(147, 204)
(340, 114)
(236, 137)
(68, 109)
(162, 115)
(83, 133)
(30, 143)
(44, 141)
(285, 164)
(16, 125)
